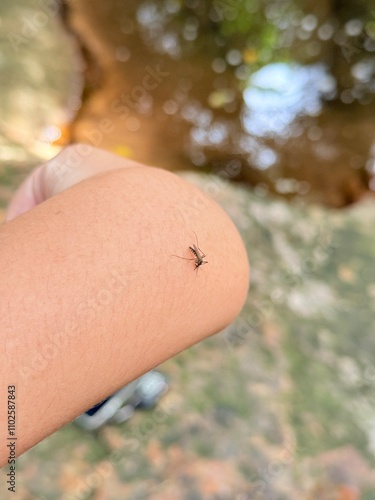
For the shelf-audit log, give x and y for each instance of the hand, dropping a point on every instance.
(72, 165)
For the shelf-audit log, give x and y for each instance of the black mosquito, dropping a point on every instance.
(198, 255)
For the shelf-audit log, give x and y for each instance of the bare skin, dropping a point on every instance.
(90, 295)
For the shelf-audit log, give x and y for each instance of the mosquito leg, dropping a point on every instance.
(196, 237)
(184, 258)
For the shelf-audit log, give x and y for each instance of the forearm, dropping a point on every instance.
(91, 296)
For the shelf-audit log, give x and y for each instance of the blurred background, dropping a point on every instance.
(269, 107)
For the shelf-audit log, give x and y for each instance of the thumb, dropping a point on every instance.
(72, 165)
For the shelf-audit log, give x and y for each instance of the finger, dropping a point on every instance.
(24, 198)
(72, 165)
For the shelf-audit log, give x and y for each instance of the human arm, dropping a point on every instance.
(91, 271)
